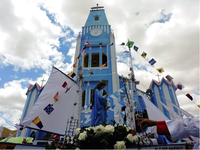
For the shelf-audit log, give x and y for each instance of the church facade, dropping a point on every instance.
(96, 44)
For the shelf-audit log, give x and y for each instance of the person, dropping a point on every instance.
(176, 129)
(99, 104)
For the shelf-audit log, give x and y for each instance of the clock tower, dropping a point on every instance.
(98, 61)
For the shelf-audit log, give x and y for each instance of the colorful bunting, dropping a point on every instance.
(144, 54)
(152, 61)
(116, 94)
(86, 43)
(180, 86)
(101, 43)
(37, 122)
(72, 74)
(130, 44)
(189, 96)
(56, 97)
(135, 48)
(48, 109)
(160, 70)
(169, 78)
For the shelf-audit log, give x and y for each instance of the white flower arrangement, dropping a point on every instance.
(120, 145)
(82, 136)
(99, 129)
(109, 129)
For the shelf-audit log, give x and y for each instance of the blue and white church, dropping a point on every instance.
(97, 63)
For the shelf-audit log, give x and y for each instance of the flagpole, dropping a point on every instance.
(132, 85)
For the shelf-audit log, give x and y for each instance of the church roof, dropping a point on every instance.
(32, 86)
(162, 80)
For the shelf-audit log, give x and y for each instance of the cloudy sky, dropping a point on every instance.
(36, 34)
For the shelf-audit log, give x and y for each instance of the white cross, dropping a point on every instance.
(42, 81)
(158, 77)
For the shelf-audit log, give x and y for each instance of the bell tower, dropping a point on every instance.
(96, 46)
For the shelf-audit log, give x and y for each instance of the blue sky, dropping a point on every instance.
(37, 34)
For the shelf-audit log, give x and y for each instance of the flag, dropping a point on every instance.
(198, 106)
(144, 54)
(115, 58)
(113, 106)
(65, 86)
(37, 122)
(122, 43)
(101, 43)
(56, 97)
(189, 96)
(122, 115)
(103, 65)
(111, 44)
(48, 109)
(72, 74)
(152, 61)
(135, 48)
(160, 70)
(130, 44)
(122, 103)
(90, 73)
(169, 78)
(126, 52)
(74, 65)
(180, 86)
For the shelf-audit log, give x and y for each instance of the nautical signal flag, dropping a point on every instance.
(103, 65)
(189, 96)
(180, 86)
(90, 73)
(152, 61)
(160, 70)
(72, 74)
(48, 109)
(122, 43)
(144, 54)
(65, 86)
(56, 97)
(168, 77)
(130, 44)
(37, 122)
(135, 48)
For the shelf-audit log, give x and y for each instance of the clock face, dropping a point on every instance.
(96, 32)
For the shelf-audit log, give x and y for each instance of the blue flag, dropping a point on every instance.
(152, 61)
(135, 48)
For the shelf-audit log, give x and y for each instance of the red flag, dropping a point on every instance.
(189, 96)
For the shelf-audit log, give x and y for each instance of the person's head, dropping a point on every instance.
(101, 85)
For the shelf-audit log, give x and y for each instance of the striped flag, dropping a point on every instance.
(189, 96)
(65, 86)
(169, 78)
(72, 74)
(37, 122)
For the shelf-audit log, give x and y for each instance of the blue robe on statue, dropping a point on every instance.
(99, 111)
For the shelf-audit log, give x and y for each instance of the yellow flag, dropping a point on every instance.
(36, 120)
(56, 96)
(160, 70)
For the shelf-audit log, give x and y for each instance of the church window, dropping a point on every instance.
(104, 59)
(83, 98)
(91, 90)
(86, 58)
(96, 18)
(95, 60)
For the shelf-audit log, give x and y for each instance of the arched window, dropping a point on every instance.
(95, 60)
(83, 98)
(86, 58)
(104, 59)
